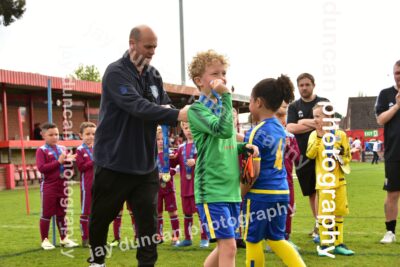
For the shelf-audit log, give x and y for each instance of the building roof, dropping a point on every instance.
(27, 80)
(361, 113)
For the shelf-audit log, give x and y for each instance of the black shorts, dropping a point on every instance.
(307, 178)
(392, 176)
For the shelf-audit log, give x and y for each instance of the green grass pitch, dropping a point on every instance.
(364, 227)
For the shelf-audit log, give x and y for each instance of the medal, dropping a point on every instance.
(162, 184)
(166, 177)
(188, 176)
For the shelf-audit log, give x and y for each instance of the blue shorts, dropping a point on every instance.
(264, 220)
(220, 220)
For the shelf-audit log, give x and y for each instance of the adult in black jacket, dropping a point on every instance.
(387, 111)
(301, 123)
(133, 103)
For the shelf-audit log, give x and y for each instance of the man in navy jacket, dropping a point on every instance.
(133, 103)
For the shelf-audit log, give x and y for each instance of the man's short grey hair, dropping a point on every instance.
(135, 34)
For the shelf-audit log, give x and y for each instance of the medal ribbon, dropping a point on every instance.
(209, 103)
(165, 165)
(85, 146)
(185, 158)
(56, 155)
(330, 155)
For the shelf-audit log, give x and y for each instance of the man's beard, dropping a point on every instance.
(306, 94)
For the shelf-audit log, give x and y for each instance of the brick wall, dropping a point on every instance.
(2, 178)
(40, 116)
(1, 124)
(78, 116)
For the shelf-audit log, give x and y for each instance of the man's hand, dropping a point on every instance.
(183, 113)
(398, 99)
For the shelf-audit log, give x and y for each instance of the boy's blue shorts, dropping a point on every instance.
(264, 220)
(220, 220)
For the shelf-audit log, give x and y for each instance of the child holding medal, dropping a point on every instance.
(84, 162)
(50, 160)
(186, 159)
(166, 195)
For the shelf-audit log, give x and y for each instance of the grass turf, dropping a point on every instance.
(364, 227)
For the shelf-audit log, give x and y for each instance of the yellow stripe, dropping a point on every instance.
(257, 159)
(253, 132)
(271, 192)
(278, 161)
(247, 219)
(209, 221)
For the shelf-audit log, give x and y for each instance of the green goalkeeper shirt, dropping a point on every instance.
(217, 166)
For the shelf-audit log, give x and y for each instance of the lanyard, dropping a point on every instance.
(209, 103)
(85, 146)
(56, 156)
(327, 148)
(165, 164)
(191, 155)
(160, 163)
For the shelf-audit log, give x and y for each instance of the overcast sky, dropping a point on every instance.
(349, 46)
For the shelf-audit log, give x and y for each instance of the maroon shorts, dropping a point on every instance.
(54, 201)
(188, 205)
(169, 201)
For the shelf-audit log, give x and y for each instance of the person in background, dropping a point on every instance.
(387, 114)
(300, 122)
(84, 162)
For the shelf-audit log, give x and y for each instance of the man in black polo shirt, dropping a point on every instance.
(300, 122)
(388, 114)
(133, 103)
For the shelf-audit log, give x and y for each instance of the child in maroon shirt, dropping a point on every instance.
(186, 159)
(84, 161)
(166, 194)
(292, 153)
(50, 160)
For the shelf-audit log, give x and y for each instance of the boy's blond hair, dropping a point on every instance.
(329, 108)
(159, 130)
(203, 59)
(86, 124)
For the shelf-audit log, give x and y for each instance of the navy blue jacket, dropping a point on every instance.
(129, 114)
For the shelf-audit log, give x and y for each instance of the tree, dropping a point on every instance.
(338, 115)
(87, 73)
(11, 10)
